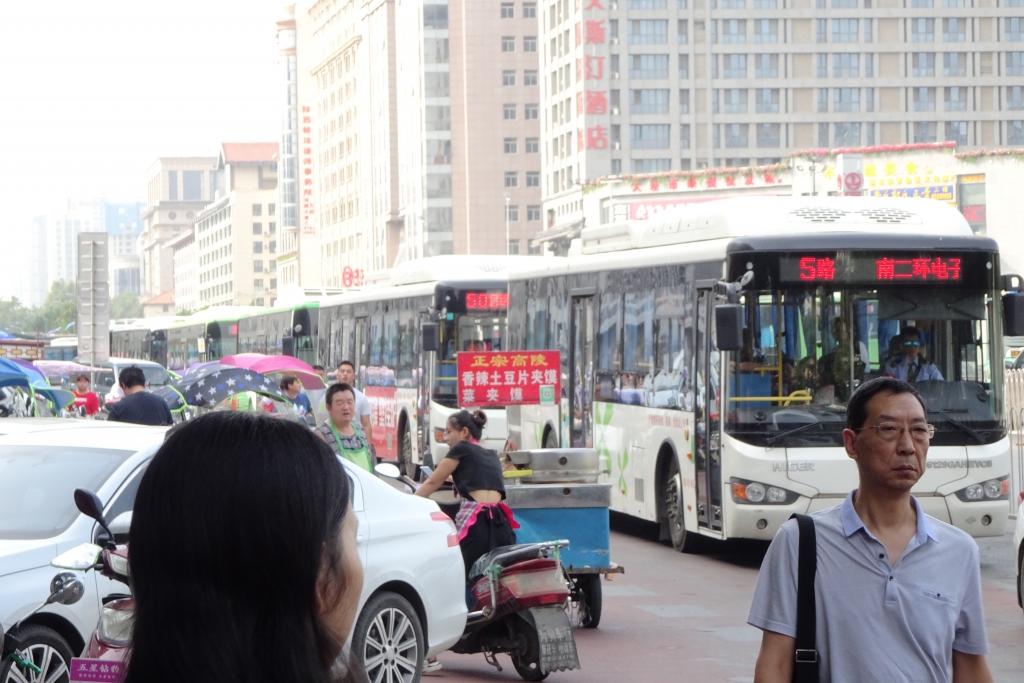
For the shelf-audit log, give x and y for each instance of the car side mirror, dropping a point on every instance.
(431, 336)
(386, 469)
(120, 526)
(729, 327)
(89, 504)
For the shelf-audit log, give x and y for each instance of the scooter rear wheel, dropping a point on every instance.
(526, 656)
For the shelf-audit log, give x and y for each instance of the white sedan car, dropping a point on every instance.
(1018, 552)
(413, 601)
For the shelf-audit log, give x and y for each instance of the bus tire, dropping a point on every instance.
(550, 439)
(405, 463)
(672, 503)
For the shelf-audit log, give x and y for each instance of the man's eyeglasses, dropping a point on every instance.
(911, 343)
(891, 432)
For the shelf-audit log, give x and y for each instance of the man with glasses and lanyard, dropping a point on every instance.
(912, 367)
(345, 437)
(897, 593)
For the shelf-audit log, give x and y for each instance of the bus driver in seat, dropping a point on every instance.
(911, 367)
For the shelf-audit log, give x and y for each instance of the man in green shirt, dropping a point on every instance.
(345, 437)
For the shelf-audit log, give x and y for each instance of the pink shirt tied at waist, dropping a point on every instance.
(471, 509)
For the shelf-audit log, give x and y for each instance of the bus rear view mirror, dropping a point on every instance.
(288, 346)
(431, 336)
(729, 327)
(1013, 315)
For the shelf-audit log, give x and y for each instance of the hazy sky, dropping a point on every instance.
(93, 91)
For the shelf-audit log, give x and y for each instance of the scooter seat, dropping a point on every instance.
(508, 555)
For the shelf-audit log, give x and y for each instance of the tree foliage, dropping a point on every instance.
(125, 305)
(58, 311)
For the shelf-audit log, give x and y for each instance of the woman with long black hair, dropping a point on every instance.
(243, 556)
(484, 521)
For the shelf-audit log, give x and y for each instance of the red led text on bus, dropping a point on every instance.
(476, 301)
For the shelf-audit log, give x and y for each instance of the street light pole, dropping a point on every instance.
(507, 199)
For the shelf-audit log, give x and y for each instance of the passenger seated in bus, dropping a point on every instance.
(834, 366)
(911, 366)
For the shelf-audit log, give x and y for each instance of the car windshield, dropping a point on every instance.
(155, 375)
(37, 485)
(466, 333)
(805, 351)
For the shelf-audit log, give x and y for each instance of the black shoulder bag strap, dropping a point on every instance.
(805, 666)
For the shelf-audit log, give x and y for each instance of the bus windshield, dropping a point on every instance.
(807, 349)
(465, 332)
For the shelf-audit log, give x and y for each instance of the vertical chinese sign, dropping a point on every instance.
(306, 173)
(591, 68)
(508, 378)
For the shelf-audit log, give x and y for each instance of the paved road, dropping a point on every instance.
(676, 617)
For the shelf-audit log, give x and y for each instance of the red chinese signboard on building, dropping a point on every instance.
(306, 176)
(508, 378)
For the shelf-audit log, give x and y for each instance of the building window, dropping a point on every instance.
(273, 283)
(922, 4)
(766, 66)
(530, 44)
(821, 30)
(513, 212)
(257, 285)
(869, 99)
(257, 209)
(1015, 63)
(192, 185)
(924, 64)
(769, 135)
(533, 145)
(1015, 98)
(922, 30)
(272, 246)
(956, 99)
(172, 185)
(868, 36)
(511, 145)
(511, 179)
(956, 131)
(435, 16)
(847, 134)
(508, 10)
(736, 135)
(767, 100)
(529, 78)
(955, 30)
(529, 10)
(648, 4)
(954, 64)
(616, 166)
(508, 112)
(257, 228)
(734, 101)
(822, 64)
(925, 131)
(846, 99)
(924, 99)
(648, 32)
(714, 65)
(1014, 28)
(844, 4)
(735, 66)
(649, 136)
(684, 136)
(1015, 132)
(684, 66)
(648, 101)
(734, 30)
(846, 65)
(533, 212)
(731, 4)
(257, 266)
(822, 100)
(684, 101)
(651, 165)
(648, 66)
(435, 50)
(533, 178)
(530, 112)
(823, 135)
(508, 77)
(766, 31)
(508, 44)
(845, 31)
(682, 31)
(271, 209)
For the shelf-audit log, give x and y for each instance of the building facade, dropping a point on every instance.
(75, 216)
(123, 222)
(236, 235)
(177, 189)
(185, 280)
(653, 86)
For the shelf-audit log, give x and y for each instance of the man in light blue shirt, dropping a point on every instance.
(897, 593)
(911, 367)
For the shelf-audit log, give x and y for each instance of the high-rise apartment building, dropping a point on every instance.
(652, 86)
(75, 216)
(236, 235)
(123, 223)
(185, 281)
(177, 188)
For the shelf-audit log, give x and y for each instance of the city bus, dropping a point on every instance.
(207, 335)
(61, 348)
(142, 339)
(453, 303)
(815, 296)
(282, 330)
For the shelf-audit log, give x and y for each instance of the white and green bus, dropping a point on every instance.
(726, 434)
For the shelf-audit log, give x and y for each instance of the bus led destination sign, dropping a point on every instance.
(870, 268)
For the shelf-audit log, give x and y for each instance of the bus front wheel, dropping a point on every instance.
(682, 540)
(405, 463)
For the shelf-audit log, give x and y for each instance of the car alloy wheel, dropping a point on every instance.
(390, 639)
(42, 648)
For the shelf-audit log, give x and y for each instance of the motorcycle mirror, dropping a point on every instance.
(66, 588)
(88, 503)
(386, 469)
(80, 557)
(120, 525)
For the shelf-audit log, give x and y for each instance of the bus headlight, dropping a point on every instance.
(755, 493)
(439, 435)
(993, 489)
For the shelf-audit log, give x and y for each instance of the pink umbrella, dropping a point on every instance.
(280, 365)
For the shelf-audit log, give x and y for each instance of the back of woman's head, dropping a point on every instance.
(233, 524)
(474, 422)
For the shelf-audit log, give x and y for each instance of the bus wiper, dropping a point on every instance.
(775, 438)
(966, 429)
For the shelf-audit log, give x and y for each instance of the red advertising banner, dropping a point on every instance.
(508, 378)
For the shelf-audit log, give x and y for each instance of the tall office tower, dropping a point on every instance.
(653, 86)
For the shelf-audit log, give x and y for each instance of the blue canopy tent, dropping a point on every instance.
(16, 374)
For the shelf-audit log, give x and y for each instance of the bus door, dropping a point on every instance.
(581, 371)
(707, 412)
